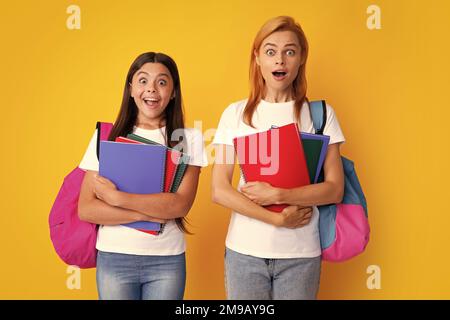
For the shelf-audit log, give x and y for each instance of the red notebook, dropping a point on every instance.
(123, 139)
(172, 160)
(275, 156)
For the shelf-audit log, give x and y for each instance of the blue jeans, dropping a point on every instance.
(134, 277)
(252, 278)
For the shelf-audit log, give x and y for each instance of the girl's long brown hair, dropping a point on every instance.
(173, 114)
(257, 83)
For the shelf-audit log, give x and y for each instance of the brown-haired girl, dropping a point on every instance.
(132, 264)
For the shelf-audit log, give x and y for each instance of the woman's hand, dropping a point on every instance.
(261, 193)
(105, 190)
(294, 217)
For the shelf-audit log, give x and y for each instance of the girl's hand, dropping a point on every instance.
(105, 190)
(294, 217)
(261, 193)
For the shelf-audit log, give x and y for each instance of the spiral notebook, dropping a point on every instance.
(181, 167)
(174, 171)
(173, 158)
(275, 156)
(134, 168)
(315, 146)
(126, 140)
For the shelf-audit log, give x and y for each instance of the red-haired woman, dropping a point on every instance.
(270, 255)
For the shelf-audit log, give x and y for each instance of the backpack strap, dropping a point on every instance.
(318, 111)
(103, 131)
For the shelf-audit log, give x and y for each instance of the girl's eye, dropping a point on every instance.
(270, 52)
(290, 52)
(162, 82)
(143, 80)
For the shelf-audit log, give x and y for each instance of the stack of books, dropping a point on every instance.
(282, 156)
(139, 165)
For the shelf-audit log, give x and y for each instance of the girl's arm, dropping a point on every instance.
(224, 194)
(96, 211)
(329, 191)
(165, 205)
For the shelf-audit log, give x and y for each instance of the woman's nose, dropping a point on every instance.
(279, 60)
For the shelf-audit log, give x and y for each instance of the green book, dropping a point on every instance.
(180, 172)
(135, 137)
(182, 165)
(312, 149)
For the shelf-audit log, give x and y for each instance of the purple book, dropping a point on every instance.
(323, 152)
(134, 168)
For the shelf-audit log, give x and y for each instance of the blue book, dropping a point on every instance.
(323, 152)
(134, 168)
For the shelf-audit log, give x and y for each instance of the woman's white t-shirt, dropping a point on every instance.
(121, 239)
(254, 237)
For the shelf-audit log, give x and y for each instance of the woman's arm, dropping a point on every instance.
(224, 194)
(165, 205)
(329, 191)
(93, 210)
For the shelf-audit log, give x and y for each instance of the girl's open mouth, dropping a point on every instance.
(151, 102)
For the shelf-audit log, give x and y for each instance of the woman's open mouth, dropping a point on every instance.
(279, 75)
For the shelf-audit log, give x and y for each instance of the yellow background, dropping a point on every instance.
(389, 88)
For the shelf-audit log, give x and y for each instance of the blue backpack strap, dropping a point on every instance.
(318, 111)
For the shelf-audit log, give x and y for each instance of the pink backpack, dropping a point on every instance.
(74, 240)
(344, 227)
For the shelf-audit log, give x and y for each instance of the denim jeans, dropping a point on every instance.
(134, 277)
(252, 278)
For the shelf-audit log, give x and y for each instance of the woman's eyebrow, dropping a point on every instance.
(292, 44)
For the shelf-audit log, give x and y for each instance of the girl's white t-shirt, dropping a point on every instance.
(121, 239)
(254, 237)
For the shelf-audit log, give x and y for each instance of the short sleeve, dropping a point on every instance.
(226, 127)
(196, 148)
(332, 127)
(90, 160)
